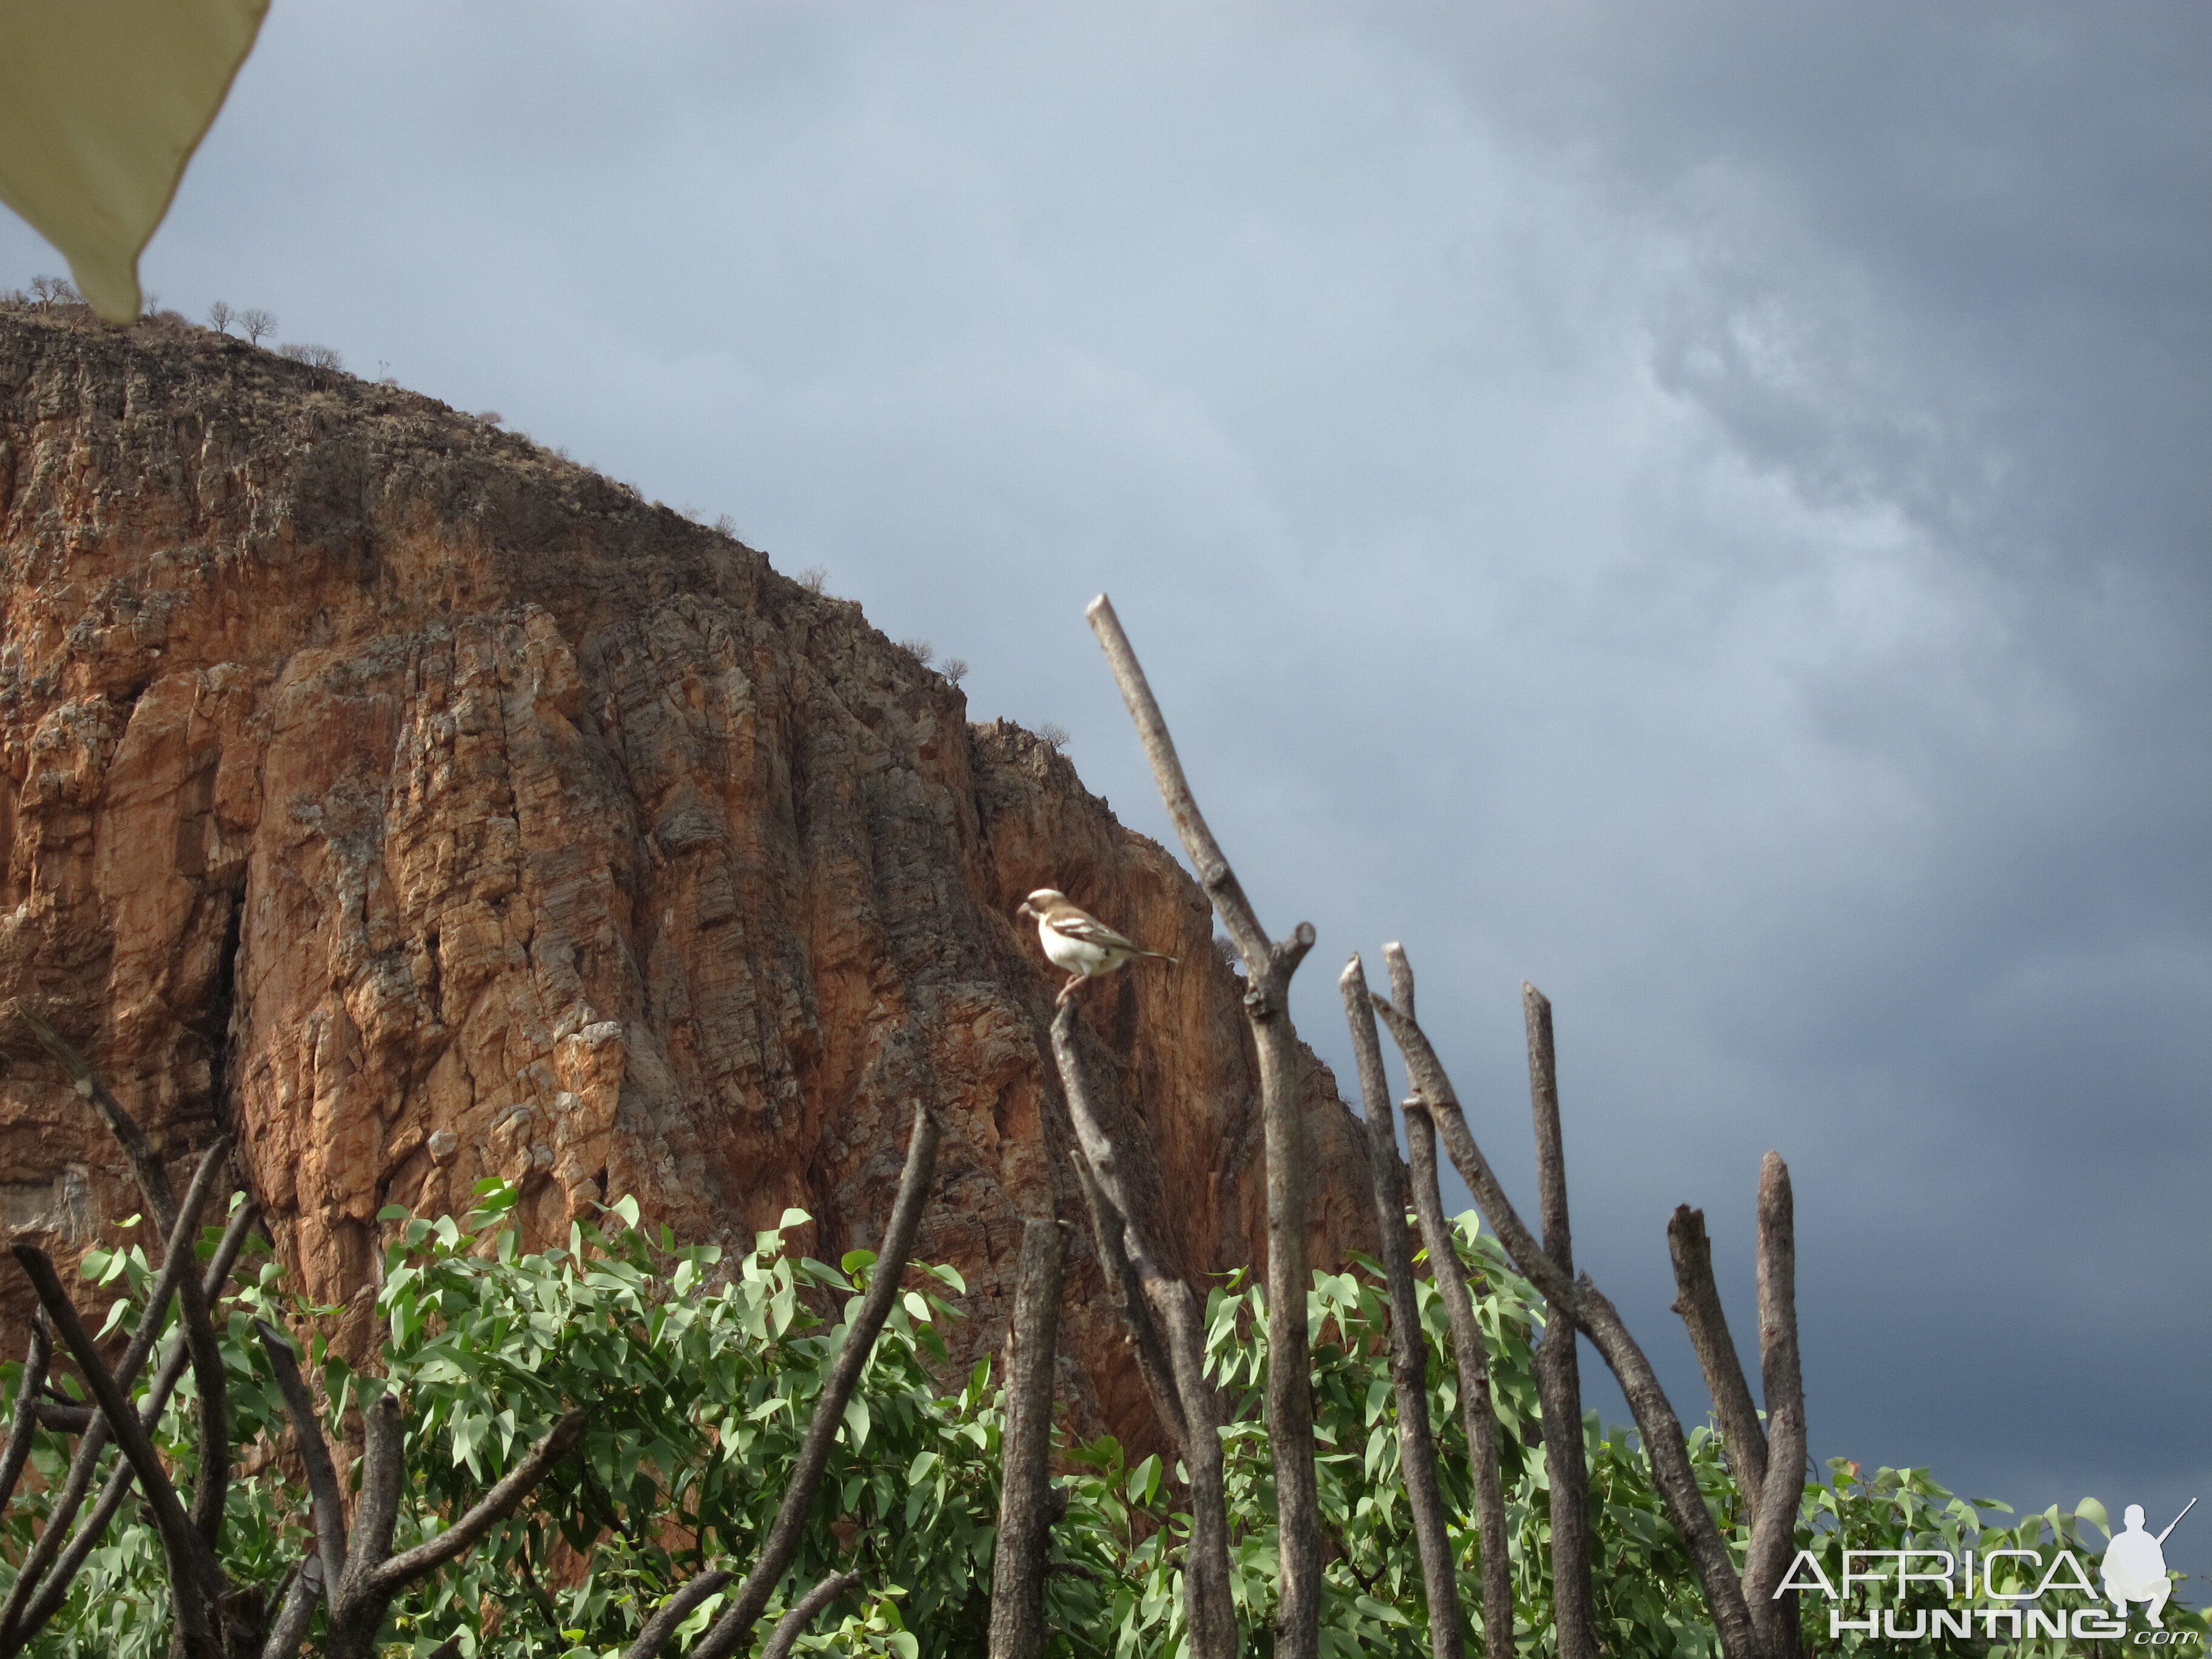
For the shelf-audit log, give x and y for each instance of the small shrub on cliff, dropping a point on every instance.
(47, 292)
(314, 356)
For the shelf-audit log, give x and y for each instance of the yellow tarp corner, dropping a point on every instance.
(101, 104)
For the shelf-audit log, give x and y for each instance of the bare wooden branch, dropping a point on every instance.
(1409, 1354)
(370, 1576)
(730, 1631)
(1773, 1536)
(145, 1162)
(1582, 1302)
(323, 1490)
(673, 1612)
(1268, 965)
(177, 1260)
(803, 1611)
(18, 1624)
(211, 1398)
(1697, 1299)
(1024, 1524)
(24, 1424)
(295, 1611)
(376, 1516)
(1121, 1182)
(1205, 851)
(1478, 1416)
(387, 1579)
(211, 1406)
(195, 1581)
(1558, 1369)
(63, 1416)
(1109, 1230)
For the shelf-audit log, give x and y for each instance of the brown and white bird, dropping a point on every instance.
(1078, 941)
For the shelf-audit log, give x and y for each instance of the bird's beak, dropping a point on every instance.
(1024, 909)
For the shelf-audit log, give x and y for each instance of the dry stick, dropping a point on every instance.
(673, 1612)
(327, 1499)
(25, 1422)
(793, 1624)
(388, 1578)
(1409, 1354)
(1588, 1307)
(1697, 1299)
(1559, 1372)
(1122, 1183)
(1125, 1286)
(1477, 1415)
(53, 1589)
(376, 1516)
(61, 1416)
(1269, 966)
(730, 1631)
(296, 1612)
(176, 1271)
(1024, 1524)
(1774, 1535)
(212, 1407)
(195, 1581)
(145, 1162)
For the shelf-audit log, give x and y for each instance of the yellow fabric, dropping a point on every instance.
(101, 104)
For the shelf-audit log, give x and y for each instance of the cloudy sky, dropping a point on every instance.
(1704, 507)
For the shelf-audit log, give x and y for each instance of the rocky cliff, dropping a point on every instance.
(422, 807)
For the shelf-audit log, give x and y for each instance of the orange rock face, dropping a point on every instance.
(423, 807)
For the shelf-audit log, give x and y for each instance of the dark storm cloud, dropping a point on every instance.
(1954, 266)
(1705, 509)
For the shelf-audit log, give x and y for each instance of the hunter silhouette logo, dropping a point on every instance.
(2134, 1572)
(2134, 1566)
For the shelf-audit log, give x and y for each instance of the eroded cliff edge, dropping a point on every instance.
(424, 806)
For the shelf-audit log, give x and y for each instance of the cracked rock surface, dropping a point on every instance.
(427, 807)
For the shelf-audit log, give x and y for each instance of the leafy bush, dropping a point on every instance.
(700, 1373)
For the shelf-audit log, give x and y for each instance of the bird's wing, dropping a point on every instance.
(1090, 930)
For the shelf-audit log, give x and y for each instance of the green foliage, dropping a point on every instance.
(701, 1380)
(700, 1372)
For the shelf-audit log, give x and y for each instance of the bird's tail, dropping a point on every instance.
(1158, 956)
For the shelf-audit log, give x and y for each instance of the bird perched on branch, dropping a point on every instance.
(1078, 941)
